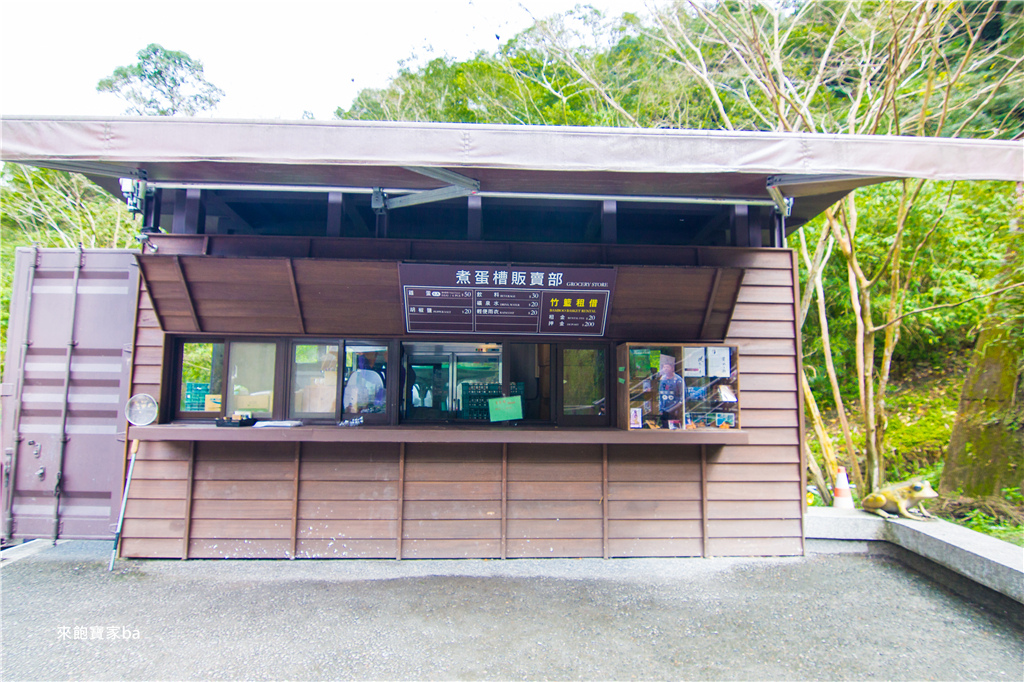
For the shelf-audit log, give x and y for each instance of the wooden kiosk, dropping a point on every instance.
(480, 341)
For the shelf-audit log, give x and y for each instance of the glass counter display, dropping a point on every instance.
(678, 386)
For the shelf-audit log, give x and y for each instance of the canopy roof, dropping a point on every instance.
(616, 163)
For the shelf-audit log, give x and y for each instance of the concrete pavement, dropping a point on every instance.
(827, 616)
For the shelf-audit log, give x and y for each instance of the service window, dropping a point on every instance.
(670, 386)
(200, 369)
(712, 392)
(529, 375)
(538, 382)
(477, 379)
(583, 385)
(252, 369)
(314, 381)
(450, 381)
(365, 381)
(308, 380)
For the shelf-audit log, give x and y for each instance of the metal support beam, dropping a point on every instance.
(427, 196)
(783, 204)
(178, 220)
(552, 196)
(459, 186)
(445, 175)
(779, 230)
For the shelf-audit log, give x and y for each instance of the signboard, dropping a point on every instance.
(505, 409)
(505, 299)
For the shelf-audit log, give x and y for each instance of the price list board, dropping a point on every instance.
(496, 299)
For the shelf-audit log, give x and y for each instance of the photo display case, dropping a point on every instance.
(678, 386)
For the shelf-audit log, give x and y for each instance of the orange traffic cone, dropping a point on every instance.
(841, 496)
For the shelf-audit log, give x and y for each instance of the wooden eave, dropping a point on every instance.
(288, 295)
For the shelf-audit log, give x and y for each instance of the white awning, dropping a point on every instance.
(812, 169)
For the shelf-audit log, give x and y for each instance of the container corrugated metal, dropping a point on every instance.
(65, 428)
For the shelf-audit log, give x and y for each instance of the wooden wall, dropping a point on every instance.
(327, 500)
(148, 356)
(422, 500)
(755, 492)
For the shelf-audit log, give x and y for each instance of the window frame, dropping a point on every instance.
(556, 417)
(177, 378)
(394, 379)
(310, 417)
(283, 367)
(388, 417)
(275, 406)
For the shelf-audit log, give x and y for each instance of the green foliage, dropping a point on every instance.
(197, 363)
(978, 520)
(579, 68)
(54, 209)
(1013, 495)
(435, 92)
(162, 83)
(1000, 516)
(962, 229)
(921, 416)
(810, 65)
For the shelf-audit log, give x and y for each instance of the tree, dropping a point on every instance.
(435, 92)
(162, 83)
(579, 68)
(921, 68)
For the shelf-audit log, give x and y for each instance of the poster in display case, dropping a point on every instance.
(678, 386)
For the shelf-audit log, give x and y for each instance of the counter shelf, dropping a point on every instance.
(437, 434)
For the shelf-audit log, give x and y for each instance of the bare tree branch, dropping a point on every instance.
(941, 306)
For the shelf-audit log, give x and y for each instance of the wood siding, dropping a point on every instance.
(494, 500)
(148, 354)
(755, 491)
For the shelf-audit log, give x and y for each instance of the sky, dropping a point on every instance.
(274, 60)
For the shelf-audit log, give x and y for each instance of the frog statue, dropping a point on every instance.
(900, 498)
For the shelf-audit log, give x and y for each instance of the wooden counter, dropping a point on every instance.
(435, 434)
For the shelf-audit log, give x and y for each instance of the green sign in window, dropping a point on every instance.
(505, 409)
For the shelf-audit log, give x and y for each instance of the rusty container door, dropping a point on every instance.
(66, 380)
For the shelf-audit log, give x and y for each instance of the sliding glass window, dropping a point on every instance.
(314, 381)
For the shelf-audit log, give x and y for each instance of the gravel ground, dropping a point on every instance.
(816, 617)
